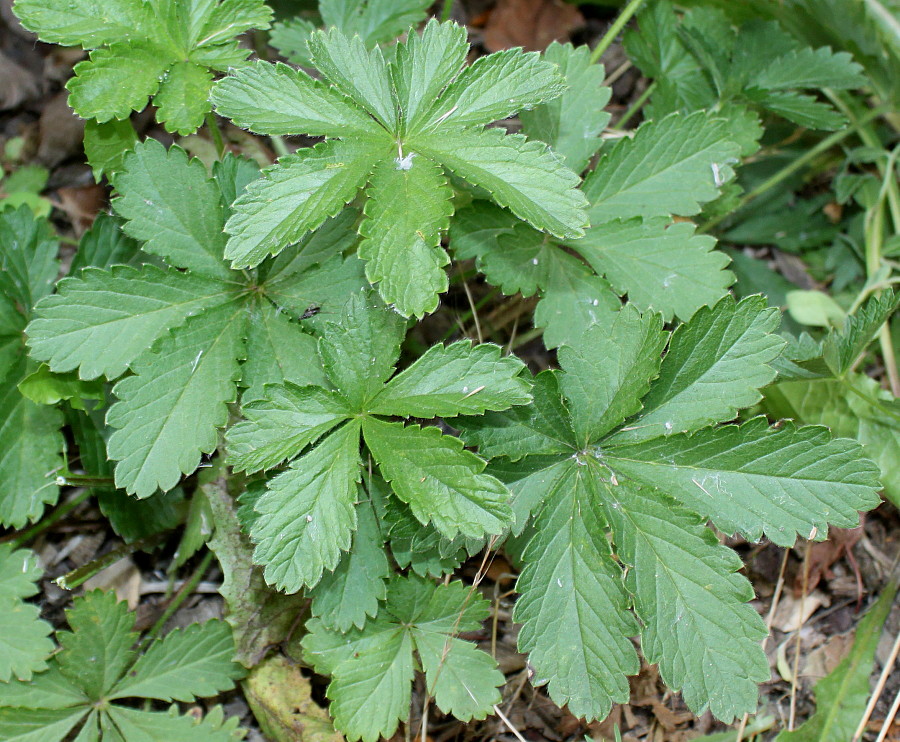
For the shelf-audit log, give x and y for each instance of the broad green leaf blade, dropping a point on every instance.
(325, 649)
(803, 110)
(670, 167)
(421, 548)
(49, 689)
(38, 725)
(697, 624)
(308, 514)
(28, 259)
(848, 415)
(30, 452)
(97, 650)
(116, 81)
(425, 65)
(459, 379)
(841, 695)
(495, 87)
(183, 97)
(715, 366)
(409, 206)
(376, 21)
(842, 349)
(102, 321)
(169, 411)
(87, 23)
(662, 266)
(529, 480)
(573, 607)
(351, 594)
(105, 245)
(228, 19)
(370, 691)
(609, 369)
(758, 480)
(173, 207)
(810, 68)
(357, 72)
(187, 663)
(359, 354)
(572, 124)
(282, 424)
(442, 482)
(462, 678)
(334, 237)
(289, 37)
(296, 196)
(156, 726)
(543, 427)
(278, 351)
(24, 645)
(105, 145)
(275, 99)
(448, 609)
(523, 176)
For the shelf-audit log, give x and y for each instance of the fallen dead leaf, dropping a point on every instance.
(794, 612)
(531, 24)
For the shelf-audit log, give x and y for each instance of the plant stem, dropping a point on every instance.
(279, 146)
(60, 512)
(446, 11)
(183, 592)
(84, 480)
(213, 127)
(79, 576)
(636, 106)
(610, 36)
(794, 166)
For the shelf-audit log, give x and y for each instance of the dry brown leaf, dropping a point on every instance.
(531, 24)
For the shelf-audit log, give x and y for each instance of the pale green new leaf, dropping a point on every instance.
(194, 661)
(183, 97)
(521, 175)
(810, 68)
(38, 725)
(359, 73)
(101, 321)
(442, 482)
(459, 379)
(308, 514)
(276, 99)
(609, 369)
(169, 411)
(662, 266)
(407, 209)
(758, 480)
(24, 645)
(715, 366)
(173, 207)
(671, 166)
(298, 195)
(351, 594)
(572, 124)
(87, 23)
(116, 81)
(573, 607)
(697, 624)
(97, 650)
(282, 424)
(495, 87)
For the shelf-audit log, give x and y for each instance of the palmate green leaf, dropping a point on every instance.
(442, 482)
(521, 175)
(459, 379)
(221, 22)
(573, 606)
(49, 689)
(287, 420)
(608, 370)
(276, 99)
(308, 514)
(334, 237)
(842, 349)
(183, 97)
(697, 624)
(187, 232)
(298, 195)
(28, 260)
(755, 479)
(671, 166)
(715, 366)
(810, 68)
(841, 695)
(101, 321)
(289, 37)
(408, 208)
(803, 110)
(105, 245)
(350, 594)
(186, 663)
(376, 21)
(662, 266)
(134, 725)
(572, 123)
(169, 411)
(105, 145)
(87, 23)
(38, 725)
(24, 645)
